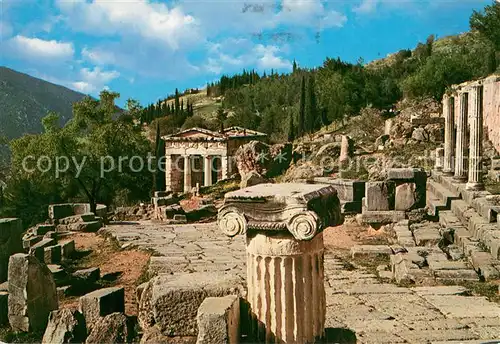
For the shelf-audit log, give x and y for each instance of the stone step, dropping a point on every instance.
(448, 219)
(435, 205)
(462, 210)
(442, 193)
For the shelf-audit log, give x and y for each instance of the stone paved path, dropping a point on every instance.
(358, 304)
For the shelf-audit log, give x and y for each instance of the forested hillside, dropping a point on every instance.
(286, 106)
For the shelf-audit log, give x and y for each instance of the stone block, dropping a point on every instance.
(4, 308)
(462, 275)
(60, 211)
(447, 265)
(486, 209)
(218, 320)
(68, 248)
(102, 302)
(347, 190)
(10, 242)
(65, 326)
(111, 329)
(44, 228)
(408, 174)
(172, 301)
(427, 236)
(360, 251)
(87, 217)
(28, 242)
(406, 196)
(52, 254)
(89, 276)
(380, 217)
(32, 293)
(58, 272)
(379, 196)
(179, 218)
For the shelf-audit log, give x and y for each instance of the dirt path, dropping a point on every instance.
(119, 268)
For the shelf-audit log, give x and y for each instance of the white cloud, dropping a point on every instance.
(94, 80)
(268, 58)
(310, 13)
(234, 54)
(39, 50)
(151, 21)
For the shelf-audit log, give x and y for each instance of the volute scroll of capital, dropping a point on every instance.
(232, 222)
(304, 225)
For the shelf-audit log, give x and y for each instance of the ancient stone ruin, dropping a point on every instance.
(200, 156)
(285, 277)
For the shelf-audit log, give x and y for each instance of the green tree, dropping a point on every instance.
(291, 129)
(88, 150)
(301, 125)
(487, 23)
(312, 119)
(176, 102)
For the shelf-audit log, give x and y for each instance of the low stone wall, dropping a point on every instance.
(60, 211)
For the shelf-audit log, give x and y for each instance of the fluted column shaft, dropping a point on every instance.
(286, 288)
(168, 173)
(449, 133)
(476, 139)
(187, 173)
(207, 164)
(460, 149)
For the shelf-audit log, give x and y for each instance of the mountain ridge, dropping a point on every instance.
(25, 100)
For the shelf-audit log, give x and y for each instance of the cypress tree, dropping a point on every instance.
(294, 66)
(176, 101)
(312, 120)
(291, 129)
(301, 130)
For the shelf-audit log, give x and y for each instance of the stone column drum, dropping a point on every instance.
(449, 133)
(460, 150)
(283, 225)
(475, 142)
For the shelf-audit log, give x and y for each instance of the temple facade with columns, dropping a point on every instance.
(202, 157)
(472, 114)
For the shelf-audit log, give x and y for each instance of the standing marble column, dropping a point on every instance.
(225, 166)
(449, 133)
(207, 164)
(187, 173)
(286, 288)
(168, 173)
(460, 161)
(439, 159)
(476, 139)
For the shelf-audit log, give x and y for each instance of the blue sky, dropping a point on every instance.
(144, 49)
